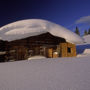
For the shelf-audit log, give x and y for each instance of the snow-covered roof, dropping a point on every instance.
(31, 27)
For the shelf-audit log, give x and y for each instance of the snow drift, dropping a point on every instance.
(46, 74)
(87, 39)
(32, 27)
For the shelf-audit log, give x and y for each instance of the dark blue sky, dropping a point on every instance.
(63, 12)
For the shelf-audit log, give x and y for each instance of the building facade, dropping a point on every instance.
(44, 44)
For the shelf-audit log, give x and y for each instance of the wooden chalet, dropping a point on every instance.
(45, 45)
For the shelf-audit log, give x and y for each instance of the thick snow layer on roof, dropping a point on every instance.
(32, 27)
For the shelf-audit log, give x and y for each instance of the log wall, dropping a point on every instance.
(67, 50)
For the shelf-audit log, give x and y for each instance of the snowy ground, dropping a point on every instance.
(47, 74)
(87, 38)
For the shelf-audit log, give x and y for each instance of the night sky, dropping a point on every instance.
(64, 12)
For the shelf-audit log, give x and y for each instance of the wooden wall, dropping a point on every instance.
(67, 50)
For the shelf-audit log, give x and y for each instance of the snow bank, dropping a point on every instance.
(32, 27)
(87, 39)
(36, 57)
(46, 74)
(86, 51)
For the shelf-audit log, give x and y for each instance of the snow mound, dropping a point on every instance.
(87, 39)
(31, 27)
(36, 57)
(86, 51)
(83, 55)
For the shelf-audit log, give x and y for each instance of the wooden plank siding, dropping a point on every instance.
(68, 53)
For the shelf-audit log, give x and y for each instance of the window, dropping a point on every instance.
(69, 50)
